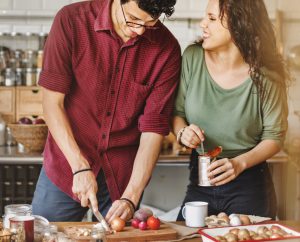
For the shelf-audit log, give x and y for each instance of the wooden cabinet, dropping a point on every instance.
(7, 104)
(18, 102)
(28, 102)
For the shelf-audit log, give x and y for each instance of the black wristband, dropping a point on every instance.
(86, 169)
(129, 201)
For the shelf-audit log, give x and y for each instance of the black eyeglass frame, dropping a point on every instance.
(137, 25)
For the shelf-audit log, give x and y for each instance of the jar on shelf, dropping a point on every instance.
(42, 40)
(13, 210)
(2, 67)
(19, 77)
(30, 56)
(30, 77)
(38, 72)
(9, 77)
(2, 131)
(18, 58)
(39, 60)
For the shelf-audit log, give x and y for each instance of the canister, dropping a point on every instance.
(203, 164)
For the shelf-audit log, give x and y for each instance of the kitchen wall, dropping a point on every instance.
(167, 188)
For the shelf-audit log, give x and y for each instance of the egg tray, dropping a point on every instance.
(208, 235)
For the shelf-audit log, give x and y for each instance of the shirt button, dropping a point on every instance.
(112, 92)
(117, 69)
(103, 136)
(108, 113)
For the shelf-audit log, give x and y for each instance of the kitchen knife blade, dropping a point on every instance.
(100, 218)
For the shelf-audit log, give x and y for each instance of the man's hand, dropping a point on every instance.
(119, 208)
(85, 188)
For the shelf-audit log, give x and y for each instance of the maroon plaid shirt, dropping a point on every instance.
(114, 90)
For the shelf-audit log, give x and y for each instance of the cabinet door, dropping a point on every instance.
(29, 102)
(7, 103)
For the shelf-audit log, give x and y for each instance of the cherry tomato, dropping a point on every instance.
(117, 224)
(215, 152)
(153, 223)
(135, 223)
(142, 225)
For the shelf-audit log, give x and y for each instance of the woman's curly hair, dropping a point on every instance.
(253, 34)
(155, 7)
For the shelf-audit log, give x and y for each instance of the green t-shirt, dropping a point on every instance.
(234, 118)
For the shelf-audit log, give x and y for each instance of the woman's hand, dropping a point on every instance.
(192, 136)
(120, 208)
(224, 170)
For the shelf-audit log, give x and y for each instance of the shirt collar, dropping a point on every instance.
(103, 20)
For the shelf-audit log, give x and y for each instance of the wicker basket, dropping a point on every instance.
(32, 136)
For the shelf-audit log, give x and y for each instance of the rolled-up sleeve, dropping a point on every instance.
(56, 72)
(160, 102)
(275, 112)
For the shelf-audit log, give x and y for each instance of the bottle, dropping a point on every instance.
(2, 131)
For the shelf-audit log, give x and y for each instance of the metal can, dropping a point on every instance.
(203, 164)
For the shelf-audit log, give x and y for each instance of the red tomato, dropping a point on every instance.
(153, 223)
(215, 152)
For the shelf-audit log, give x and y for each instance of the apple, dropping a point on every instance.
(25, 120)
(39, 121)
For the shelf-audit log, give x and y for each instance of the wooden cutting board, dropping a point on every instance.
(131, 234)
(128, 234)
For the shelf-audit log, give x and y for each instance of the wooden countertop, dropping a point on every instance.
(291, 224)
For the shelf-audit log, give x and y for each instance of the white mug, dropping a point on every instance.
(194, 213)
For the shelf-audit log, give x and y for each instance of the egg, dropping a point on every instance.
(235, 221)
(245, 220)
(221, 215)
(232, 215)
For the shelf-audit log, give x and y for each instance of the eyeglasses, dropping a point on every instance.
(136, 25)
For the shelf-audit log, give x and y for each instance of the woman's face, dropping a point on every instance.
(215, 33)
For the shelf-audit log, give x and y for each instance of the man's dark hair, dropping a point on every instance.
(155, 7)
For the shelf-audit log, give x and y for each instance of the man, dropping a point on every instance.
(109, 75)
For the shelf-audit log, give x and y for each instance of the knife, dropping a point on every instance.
(100, 218)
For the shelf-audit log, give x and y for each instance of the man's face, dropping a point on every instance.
(130, 12)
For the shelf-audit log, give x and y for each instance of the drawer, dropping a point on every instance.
(7, 103)
(7, 100)
(29, 101)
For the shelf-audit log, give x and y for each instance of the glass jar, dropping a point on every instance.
(30, 77)
(9, 77)
(39, 61)
(50, 234)
(38, 72)
(19, 77)
(13, 210)
(2, 131)
(18, 58)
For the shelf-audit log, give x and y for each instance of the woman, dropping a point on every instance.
(233, 94)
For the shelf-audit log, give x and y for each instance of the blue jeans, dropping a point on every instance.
(252, 192)
(56, 206)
